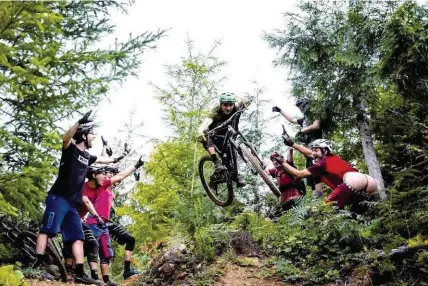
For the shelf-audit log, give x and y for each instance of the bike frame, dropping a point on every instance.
(230, 147)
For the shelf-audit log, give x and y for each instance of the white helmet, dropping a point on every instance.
(322, 143)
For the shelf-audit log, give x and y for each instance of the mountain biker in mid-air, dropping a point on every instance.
(65, 196)
(98, 189)
(349, 186)
(228, 106)
(311, 130)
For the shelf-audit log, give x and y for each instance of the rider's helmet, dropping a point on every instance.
(111, 169)
(83, 129)
(227, 97)
(322, 143)
(303, 104)
(94, 169)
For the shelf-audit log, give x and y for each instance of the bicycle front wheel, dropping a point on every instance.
(218, 187)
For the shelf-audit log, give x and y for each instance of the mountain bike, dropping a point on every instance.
(219, 185)
(25, 243)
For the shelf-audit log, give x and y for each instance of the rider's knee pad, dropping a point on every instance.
(67, 250)
(130, 244)
(92, 255)
(105, 260)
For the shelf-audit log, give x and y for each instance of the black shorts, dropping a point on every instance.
(90, 244)
(118, 233)
(216, 140)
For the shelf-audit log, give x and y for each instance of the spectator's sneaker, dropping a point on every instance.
(129, 273)
(86, 279)
(48, 276)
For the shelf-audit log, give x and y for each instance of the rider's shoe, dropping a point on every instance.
(240, 182)
(127, 274)
(111, 283)
(87, 280)
(219, 166)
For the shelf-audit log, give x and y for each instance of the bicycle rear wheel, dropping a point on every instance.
(29, 239)
(218, 187)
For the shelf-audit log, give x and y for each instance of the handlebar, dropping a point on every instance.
(224, 124)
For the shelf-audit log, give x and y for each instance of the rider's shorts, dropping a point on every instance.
(118, 233)
(61, 213)
(346, 195)
(90, 244)
(216, 140)
(103, 237)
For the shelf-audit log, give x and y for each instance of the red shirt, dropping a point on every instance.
(283, 179)
(93, 194)
(330, 170)
(103, 202)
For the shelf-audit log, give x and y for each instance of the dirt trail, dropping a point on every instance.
(246, 276)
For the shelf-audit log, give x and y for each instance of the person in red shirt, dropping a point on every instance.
(288, 184)
(290, 187)
(98, 188)
(349, 186)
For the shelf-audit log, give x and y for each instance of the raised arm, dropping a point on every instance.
(286, 115)
(302, 149)
(125, 173)
(290, 155)
(297, 173)
(316, 125)
(107, 160)
(66, 139)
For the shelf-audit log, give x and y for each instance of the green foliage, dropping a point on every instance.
(50, 68)
(11, 277)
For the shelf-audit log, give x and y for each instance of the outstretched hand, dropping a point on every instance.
(104, 141)
(85, 118)
(139, 163)
(287, 140)
(276, 109)
(109, 151)
(137, 176)
(126, 149)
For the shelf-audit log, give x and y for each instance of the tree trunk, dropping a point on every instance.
(368, 149)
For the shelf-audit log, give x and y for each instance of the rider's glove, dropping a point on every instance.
(104, 141)
(100, 221)
(300, 121)
(287, 140)
(276, 109)
(139, 164)
(137, 176)
(125, 152)
(85, 118)
(109, 151)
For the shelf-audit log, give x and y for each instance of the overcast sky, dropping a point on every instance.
(239, 24)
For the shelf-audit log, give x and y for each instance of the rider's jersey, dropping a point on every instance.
(93, 194)
(103, 202)
(330, 170)
(72, 173)
(218, 116)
